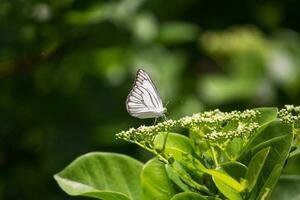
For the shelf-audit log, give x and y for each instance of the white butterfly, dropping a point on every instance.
(144, 100)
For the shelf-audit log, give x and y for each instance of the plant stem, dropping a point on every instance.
(296, 133)
(224, 152)
(165, 142)
(213, 154)
(160, 157)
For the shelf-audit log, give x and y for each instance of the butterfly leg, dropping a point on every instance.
(165, 118)
(155, 120)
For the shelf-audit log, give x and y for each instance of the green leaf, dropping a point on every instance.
(106, 176)
(155, 181)
(267, 115)
(279, 137)
(295, 153)
(226, 189)
(226, 179)
(288, 188)
(293, 163)
(188, 196)
(194, 164)
(174, 175)
(266, 190)
(235, 169)
(176, 144)
(177, 173)
(255, 166)
(275, 129)
(234, 147)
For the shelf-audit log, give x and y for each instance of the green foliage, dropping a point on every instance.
(226, 189)
(188, 196)
(187, 169)
(235, 169)
(253, 65)
(287, 188)
(66, 67)
(255, 165)
(102, 175)
(155, 181)
(176, 145)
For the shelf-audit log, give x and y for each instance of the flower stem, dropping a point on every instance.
(165, 142)
(214, 156)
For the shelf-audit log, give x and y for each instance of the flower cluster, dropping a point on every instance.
(243, 131)
(145, 135)
(290, 114)
(215, 122)
(217, 117)
(241, 124)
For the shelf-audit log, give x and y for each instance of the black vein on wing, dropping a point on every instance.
(143, 76)
(138, 92)
(149, 93)
(147, 77)
(141, 100)
(151, 97)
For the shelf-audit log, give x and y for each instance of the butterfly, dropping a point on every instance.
(144, 100)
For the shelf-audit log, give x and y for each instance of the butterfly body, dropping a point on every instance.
(144, 100)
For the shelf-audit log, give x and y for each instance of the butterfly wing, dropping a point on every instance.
(144, 100)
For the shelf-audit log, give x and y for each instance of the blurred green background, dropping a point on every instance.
(66, 67)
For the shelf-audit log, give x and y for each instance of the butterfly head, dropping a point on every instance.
(163, 114)
(164, 111)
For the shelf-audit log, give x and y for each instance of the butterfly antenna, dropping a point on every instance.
(167, 103)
